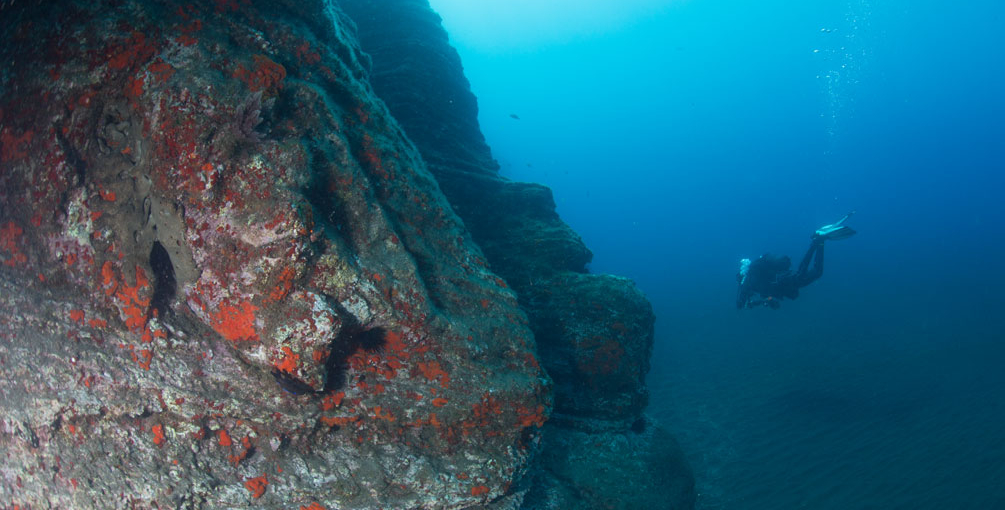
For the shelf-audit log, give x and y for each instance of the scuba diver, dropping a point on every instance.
(770, 278)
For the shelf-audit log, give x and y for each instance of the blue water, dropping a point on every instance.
(697, 132)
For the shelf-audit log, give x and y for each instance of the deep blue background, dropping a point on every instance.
(704, 131)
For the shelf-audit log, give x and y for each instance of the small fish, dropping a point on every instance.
(291, 384)
(514, 116)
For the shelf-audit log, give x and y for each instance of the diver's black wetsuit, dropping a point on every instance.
(770, 277)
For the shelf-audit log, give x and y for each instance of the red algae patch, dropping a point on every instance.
(256, 486)
(236, 322)
(289, 362)
(158, 431)
(434, 372)
(10, 236)
(264, 75)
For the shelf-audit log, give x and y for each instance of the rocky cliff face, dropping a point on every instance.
(247, 263)
(227, 278)
(594, 332)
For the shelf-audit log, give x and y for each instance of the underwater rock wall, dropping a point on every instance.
(229, 280)
(594, 332)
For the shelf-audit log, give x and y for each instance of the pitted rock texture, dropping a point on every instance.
(594, 332)
(228, 280)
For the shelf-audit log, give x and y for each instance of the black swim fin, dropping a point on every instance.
(836, 230)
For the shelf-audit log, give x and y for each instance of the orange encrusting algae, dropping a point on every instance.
(394, 342)
(434, 372)
(266, 74)
(158, 431)
(131, 301)
(236, 322)
(338, 421)
(290, 361)
(256, 486)
(332, 400)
